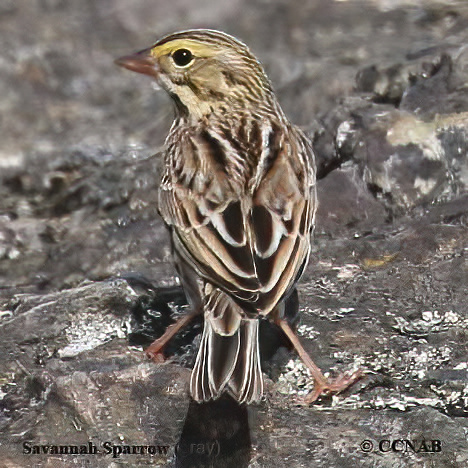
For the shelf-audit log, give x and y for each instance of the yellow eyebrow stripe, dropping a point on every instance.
(198, 49)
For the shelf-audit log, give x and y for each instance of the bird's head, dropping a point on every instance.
(204, 71)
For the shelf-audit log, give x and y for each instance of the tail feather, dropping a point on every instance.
(228, 363)
(223, 352)
(246, 383)
(214, 365)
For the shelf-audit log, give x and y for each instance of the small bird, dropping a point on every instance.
(238, 196)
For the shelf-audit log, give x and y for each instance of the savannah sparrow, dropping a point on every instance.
(238, 196)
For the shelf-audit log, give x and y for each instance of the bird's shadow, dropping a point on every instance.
(215, 434)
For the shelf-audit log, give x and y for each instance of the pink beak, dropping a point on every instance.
(140, 62)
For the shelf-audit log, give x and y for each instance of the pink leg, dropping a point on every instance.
(155, 350)
(323, 386)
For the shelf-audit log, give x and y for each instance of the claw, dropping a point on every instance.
(333, 387)
(156, 355)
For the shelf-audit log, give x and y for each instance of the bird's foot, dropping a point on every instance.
(155, 352)
(332, 387)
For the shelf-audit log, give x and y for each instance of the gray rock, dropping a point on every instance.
(347, 205)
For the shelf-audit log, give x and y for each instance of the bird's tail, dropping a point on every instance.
(229, 356)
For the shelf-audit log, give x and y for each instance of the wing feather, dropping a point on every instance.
(249, 239)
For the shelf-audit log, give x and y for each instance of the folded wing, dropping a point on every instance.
(250, 239)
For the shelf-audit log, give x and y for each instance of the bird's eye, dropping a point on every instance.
(182, 57)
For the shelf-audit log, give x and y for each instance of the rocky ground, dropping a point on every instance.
(85, 273)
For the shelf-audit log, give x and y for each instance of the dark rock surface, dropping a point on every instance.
(85, 273)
